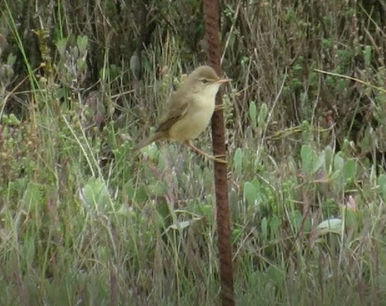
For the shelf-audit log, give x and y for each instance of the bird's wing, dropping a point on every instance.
(177, 109)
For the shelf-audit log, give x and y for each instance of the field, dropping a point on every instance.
(86, 220)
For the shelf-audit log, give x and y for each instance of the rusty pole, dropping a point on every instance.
(212, 21)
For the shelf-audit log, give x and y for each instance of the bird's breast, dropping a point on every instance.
(195, 121)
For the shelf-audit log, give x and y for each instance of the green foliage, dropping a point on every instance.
(382, 184)
(72, 66)
(85, 219)
(95, 197)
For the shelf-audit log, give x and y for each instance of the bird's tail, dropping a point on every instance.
(149, 140)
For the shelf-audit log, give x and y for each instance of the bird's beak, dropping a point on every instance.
(222, 81)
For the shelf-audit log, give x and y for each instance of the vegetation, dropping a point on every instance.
(84, 220)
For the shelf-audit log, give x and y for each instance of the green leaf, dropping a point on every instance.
(335, 175)
(238, 161)
(367, 141)
(338, 162)
(95, 195)
(253, 113)
(250, 193)
(330, 226)
(263, 113)
(82, 42)
(81, 65)
(350, 170)
(307, 156)
(367, 55)
(382, 185)
(11, 59)
(328, 156)
(13, 120)
(183, 224)
(320, 162)
(61, 46)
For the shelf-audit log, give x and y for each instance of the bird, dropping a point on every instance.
(190, 110)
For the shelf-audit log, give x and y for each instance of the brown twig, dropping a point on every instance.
(211, 12)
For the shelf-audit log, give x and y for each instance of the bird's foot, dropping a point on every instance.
(219, 107)
(218, 158)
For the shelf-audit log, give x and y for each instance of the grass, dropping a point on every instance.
(140, 230)
(85, 220)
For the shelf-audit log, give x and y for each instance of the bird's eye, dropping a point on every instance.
(204, 81)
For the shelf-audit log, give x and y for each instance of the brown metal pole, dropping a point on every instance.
(212, 18)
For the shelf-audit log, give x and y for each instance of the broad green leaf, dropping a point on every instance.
(306, 132)
(11, 59)
(320, 162)
(183, 224)
(263, 113)
(338, 162)
(367, 55)
(335, 175)
(307, 155)
(82, 42)
(367, 141)
(238, 161)
(253, 113)
(350, 170)
(95, 195)
(382, 185)
(330, 226)
(61, 46)
(250, 193)
(328, 156)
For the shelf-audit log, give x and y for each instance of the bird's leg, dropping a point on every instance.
(214, 158)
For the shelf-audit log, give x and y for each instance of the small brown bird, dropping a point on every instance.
(190, 109)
